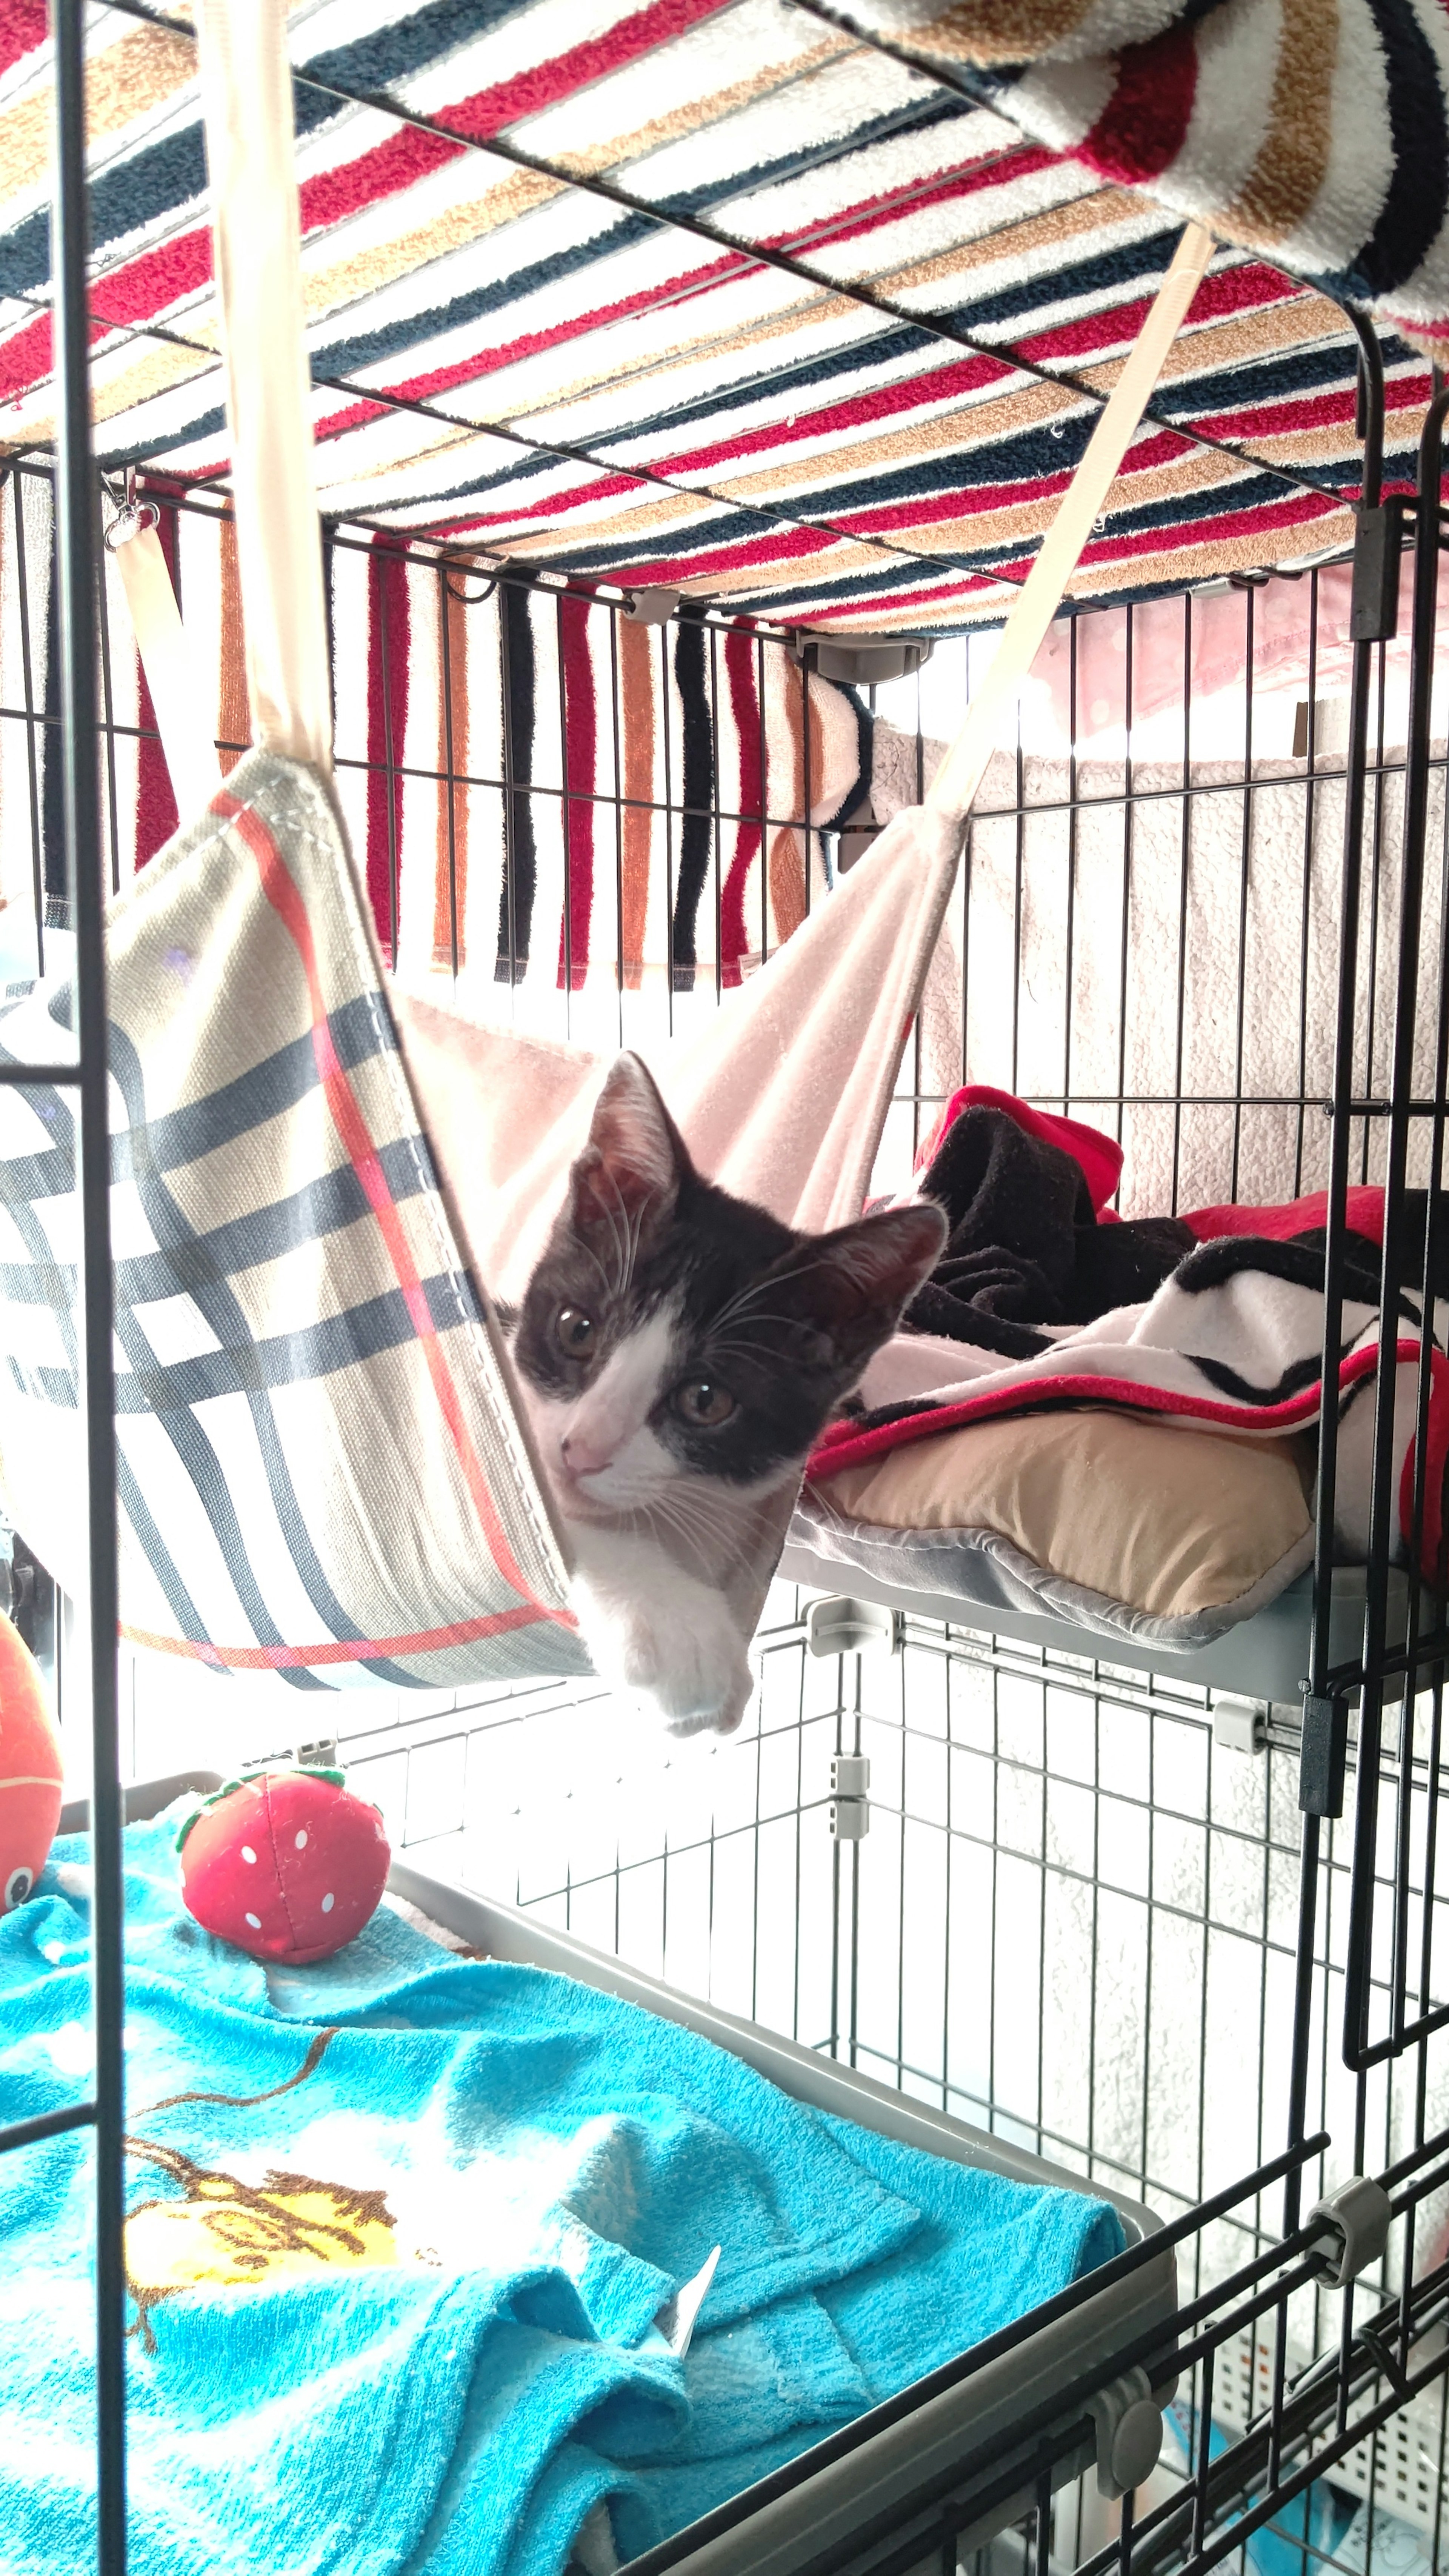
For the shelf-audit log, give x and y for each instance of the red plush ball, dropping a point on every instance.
(288, 1865)
(30, 1770)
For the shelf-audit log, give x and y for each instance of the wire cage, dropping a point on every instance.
(1179, 1942)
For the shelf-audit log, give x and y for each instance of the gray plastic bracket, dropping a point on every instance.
(1240, 1725)
(1351, 2225)
(849, 1802)
(863, 661)
(319, 1753)
(841, 1625)
(651, 607)
(1129, 2432)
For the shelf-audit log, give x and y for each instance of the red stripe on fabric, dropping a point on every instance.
(331, 195)
(781, 548)
(282, 894)
(407, 156)
(544, 83)
(1198, 532)
(1160, 448)
(23, 26)
(1144, 125)
(387, 716)
(1309, 411)
(846, 1448)
(1364, 1215)
(940, 385)
(972, 586)
(156, 812)
(911, 197)
(578, 806)
(1216, 298)
(740, 667)
(1182, 533)
(507, 353)
(29, 355)
(334, 1650)
(1227, 291)
(1098, 1157)
(147, 284)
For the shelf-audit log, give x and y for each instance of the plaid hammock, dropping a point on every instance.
(318, 1458)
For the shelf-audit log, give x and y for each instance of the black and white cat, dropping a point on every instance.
(680, 1350)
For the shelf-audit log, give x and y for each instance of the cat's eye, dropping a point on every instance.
(703, 1403)
(575, 1332)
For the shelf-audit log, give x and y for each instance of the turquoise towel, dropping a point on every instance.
(399, 2229)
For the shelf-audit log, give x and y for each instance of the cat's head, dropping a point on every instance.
(673, 1332)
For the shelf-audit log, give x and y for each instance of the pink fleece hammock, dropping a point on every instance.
(322, 1474)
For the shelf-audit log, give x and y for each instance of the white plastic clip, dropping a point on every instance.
(849, 1799)
(319, 1753)
(1240, 1725)
(651, 607)
(841, 1625)
(1129, 2432)
(1354, 2228)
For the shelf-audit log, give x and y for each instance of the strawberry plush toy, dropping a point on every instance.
(287, 1864)
(30, 1770)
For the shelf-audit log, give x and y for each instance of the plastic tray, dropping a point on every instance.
(1264, 1657)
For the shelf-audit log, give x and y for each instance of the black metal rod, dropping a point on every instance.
(1371, 406)
(76, 511)
(1383, 1498)
(46, 2124)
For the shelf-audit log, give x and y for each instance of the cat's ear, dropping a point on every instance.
(854, 1284)
(635, 1159)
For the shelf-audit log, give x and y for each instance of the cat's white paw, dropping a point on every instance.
(684, 1656)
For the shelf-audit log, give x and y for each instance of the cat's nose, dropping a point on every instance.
(581, 1458)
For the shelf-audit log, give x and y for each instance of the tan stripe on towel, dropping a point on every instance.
(451, 904)
(138, 72)
(787, 858)
(984, 31)
(636, 718)
(1290, 167)
(233, 713)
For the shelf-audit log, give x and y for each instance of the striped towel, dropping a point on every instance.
(639, 760)
(1314, 130)
(572, 380)
(320, 1475)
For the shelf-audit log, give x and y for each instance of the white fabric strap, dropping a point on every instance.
(954, 786)
(183, 719)
(246, 92)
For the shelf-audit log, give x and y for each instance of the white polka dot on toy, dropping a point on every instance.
(249, 1854)
(327, 1904)
(255, 1921)
(301, 1842)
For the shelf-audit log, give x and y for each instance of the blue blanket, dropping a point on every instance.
(400, 2227)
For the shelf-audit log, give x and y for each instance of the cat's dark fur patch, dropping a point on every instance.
(785, 1322)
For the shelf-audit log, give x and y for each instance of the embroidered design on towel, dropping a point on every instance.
(226, 2233)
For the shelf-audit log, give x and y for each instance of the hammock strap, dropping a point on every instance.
(173, 674)
(953, 789)
(246, 96)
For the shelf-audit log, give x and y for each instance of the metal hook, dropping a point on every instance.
(132, 517)
(477, 597)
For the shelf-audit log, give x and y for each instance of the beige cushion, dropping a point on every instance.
(1166, 1520)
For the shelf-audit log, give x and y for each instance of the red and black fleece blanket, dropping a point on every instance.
(1212, 1320)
